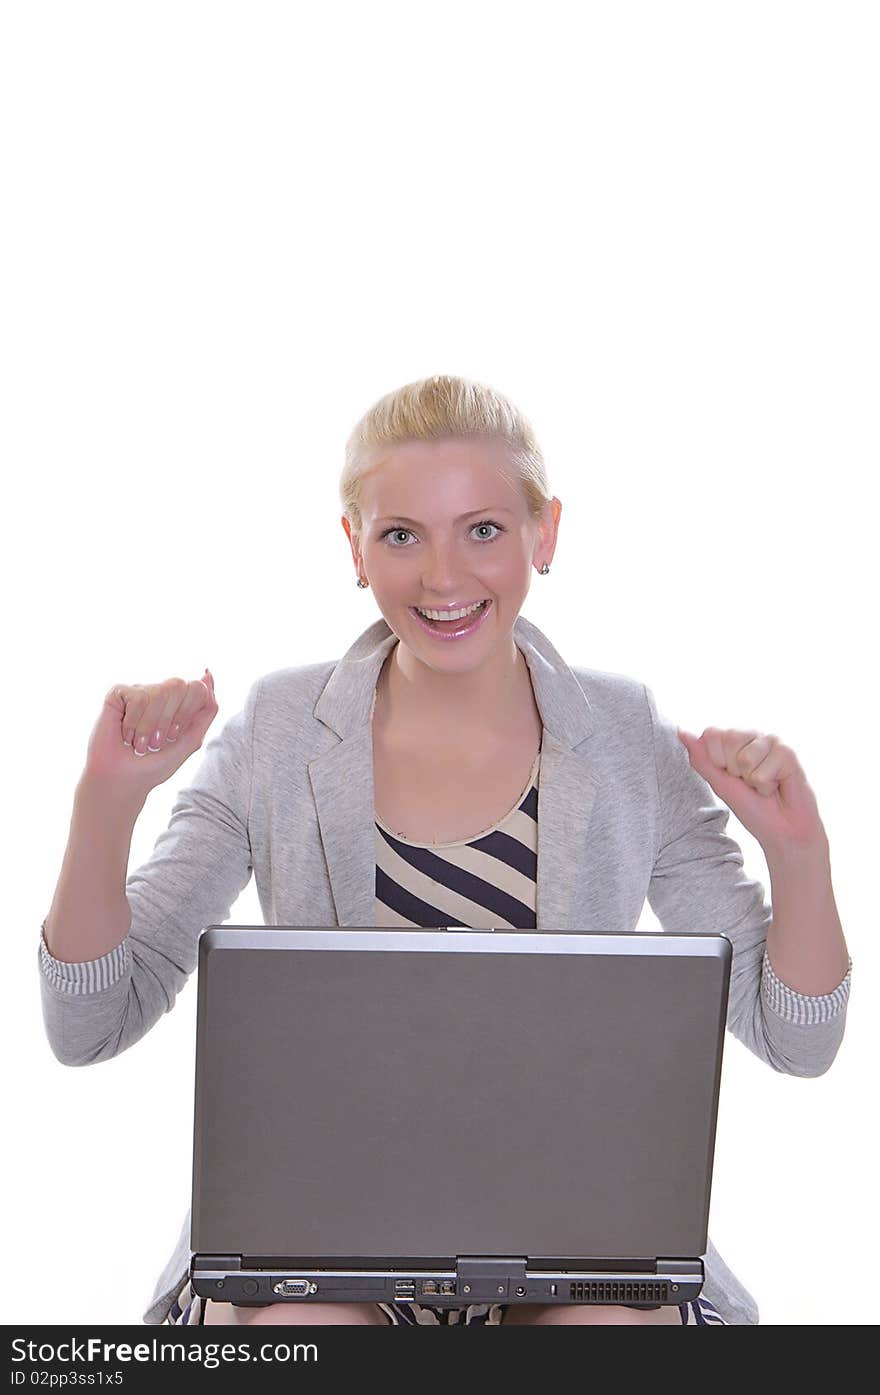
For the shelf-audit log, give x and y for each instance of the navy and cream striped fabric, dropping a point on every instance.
(488, 882)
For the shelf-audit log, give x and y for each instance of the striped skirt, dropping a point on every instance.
(189, 1308)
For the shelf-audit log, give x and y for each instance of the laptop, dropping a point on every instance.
(453, 1116)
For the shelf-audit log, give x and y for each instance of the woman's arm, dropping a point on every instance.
(94, 1010)
(698, 884)
(763, 782)
(805, 941)
(90, 915)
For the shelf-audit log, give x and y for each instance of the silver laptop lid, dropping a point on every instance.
(412, 1093)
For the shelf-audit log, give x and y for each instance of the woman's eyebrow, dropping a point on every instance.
(399, 517)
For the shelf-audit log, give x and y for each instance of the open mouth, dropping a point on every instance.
(452, 629)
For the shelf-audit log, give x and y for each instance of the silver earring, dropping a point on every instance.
(545, 569)
(361, 582)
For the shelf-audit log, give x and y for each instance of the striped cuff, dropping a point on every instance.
(801, 1008)
(90, 976)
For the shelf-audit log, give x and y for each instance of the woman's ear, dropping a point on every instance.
(353, 542)
(548, 526)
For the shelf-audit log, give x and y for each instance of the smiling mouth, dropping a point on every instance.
(450, 610)
(461, 625)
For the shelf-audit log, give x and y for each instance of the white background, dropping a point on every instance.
(229, 229)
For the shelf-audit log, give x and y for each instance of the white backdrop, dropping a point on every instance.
(229, 229)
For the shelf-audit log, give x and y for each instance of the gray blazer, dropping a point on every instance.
(285, 790)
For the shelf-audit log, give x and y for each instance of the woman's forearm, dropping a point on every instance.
(805, 942)
(90, 914)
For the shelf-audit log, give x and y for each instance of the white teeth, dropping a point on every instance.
(449, 614)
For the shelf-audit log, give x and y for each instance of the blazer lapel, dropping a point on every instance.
(342, 778)
(567, 783)
(342, 784)
(566, 796)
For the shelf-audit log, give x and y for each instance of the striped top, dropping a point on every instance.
(488, 882)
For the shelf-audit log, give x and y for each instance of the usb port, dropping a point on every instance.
(405, 1288)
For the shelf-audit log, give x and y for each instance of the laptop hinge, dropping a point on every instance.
(693, 1267)
(489, 1280)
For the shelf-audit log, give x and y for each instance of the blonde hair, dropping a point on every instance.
(443, 408)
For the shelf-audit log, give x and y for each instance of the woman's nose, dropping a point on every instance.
(439, 573)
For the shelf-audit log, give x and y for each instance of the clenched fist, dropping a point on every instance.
(146, 731)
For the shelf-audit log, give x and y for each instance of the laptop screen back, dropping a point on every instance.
(381, 1093)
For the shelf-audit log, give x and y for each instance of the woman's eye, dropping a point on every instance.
(486, 523)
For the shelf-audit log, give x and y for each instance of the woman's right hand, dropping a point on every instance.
(180, 712)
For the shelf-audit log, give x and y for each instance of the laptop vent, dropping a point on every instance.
(621, 1292)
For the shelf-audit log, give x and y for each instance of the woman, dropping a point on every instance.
(371, 790)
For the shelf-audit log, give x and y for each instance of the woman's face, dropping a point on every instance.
(443, 528)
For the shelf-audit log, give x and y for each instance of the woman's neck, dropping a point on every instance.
(414, 701)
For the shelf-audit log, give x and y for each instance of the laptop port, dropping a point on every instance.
(293, 1288)
(405, 1288)
(430, 1286)
(447, 1286)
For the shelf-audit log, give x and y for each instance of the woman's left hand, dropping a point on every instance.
(763, 784)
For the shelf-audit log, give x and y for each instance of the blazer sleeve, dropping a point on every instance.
(698, 885)
(96, 1009)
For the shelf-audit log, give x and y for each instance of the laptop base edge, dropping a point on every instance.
(474, 1279)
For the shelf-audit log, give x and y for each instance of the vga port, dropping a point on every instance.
(294, 1288)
